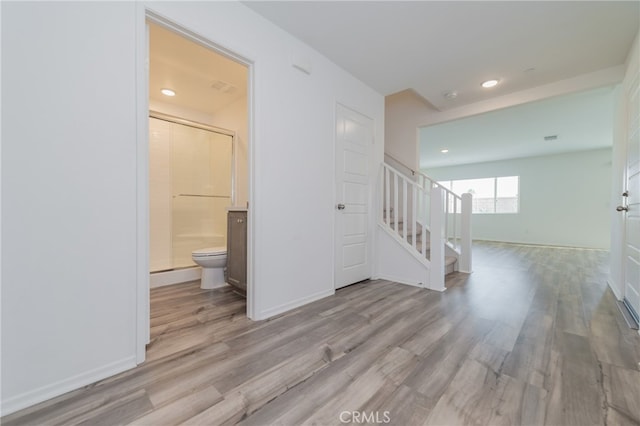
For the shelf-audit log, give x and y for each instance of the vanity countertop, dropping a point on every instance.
(237, 209)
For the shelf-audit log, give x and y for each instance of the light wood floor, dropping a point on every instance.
(532, 337)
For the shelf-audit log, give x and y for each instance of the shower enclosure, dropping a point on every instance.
(190, 187)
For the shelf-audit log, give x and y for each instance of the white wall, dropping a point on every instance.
(616, 258)
(394, 264)
(404, 112)
(69, 168)
(564, 199)
(68, 196)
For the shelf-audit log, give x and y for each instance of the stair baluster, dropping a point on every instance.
(430, 220)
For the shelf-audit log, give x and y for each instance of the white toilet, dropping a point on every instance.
(213, 261)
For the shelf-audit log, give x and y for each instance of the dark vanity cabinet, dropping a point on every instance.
(237, 250)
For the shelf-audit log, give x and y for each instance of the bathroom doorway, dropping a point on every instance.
(198, 112)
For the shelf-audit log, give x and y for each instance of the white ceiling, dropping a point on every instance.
(434, 47)
(191, 70)
(581, 121)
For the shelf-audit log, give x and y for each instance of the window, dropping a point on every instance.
(490, 195)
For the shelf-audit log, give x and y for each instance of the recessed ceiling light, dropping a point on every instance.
(444, 151)
(168, 92)
(489, 83)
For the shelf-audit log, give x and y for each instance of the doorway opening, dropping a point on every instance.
(198, 153)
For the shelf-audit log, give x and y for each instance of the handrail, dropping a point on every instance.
(402, 208)
(452, 201)
(413, 172)
(390, 167)
(414, 209)
(421, 175)
(453, 206)
(439, 185)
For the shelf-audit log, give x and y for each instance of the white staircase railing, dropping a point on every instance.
(457, 220)
(426, 218)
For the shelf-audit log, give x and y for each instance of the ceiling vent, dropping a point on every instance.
(452, 94)
(223, 86)
(551, 138)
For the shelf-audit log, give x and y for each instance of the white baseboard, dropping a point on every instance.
(293, 304)
(614, 289)
(616, 292)
(52, 390)
(441, 289)
(161, 279)
(403, 281)
(400, 280)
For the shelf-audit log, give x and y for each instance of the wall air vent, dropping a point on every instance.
(551, 138)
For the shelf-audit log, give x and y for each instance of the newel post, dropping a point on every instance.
(465, 264)
(437, 239)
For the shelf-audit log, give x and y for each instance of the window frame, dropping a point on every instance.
(449, 184)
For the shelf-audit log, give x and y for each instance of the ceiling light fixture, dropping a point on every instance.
(490, 83)
(444, 151)
(168, 92)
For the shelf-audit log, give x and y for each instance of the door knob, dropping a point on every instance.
(622, 208)
(341, 206)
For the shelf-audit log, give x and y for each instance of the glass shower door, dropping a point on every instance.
(190, 188)
(202, 182)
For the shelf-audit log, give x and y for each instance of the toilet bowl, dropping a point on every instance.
(213, 261)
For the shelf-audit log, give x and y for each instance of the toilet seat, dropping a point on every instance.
(210, 252)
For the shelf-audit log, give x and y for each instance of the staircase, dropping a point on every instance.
(450, 262)
(424, 229)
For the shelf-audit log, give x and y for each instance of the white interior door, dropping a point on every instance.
(632, 204)
(354, 137)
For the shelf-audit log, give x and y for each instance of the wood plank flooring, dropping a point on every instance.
(532, 337)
